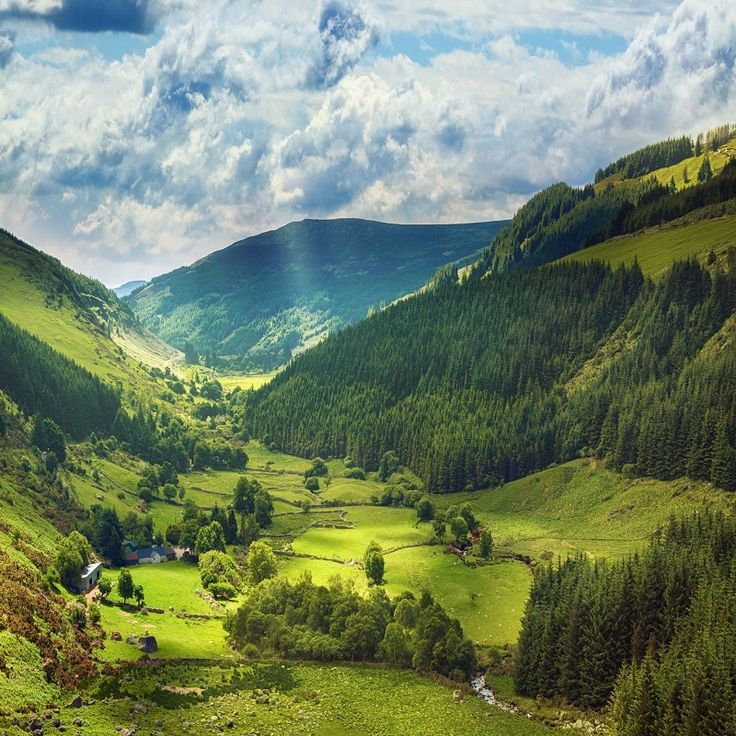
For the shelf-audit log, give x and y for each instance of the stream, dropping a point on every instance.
(478, 684)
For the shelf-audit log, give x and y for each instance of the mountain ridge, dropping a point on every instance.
(260, 300)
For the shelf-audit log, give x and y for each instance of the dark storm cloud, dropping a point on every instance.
(90, 16)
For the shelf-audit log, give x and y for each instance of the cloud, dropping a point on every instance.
(683, 67)
(7, 46)
(86, 16)
(346, 33)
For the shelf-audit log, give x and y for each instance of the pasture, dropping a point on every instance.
(273, 699)
(657, 248)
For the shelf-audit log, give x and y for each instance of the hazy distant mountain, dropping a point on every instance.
(265, 298)
(127, 288)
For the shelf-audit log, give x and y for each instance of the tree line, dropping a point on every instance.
(480, 383)
(561, 220)
(654, 633)
(42, 381)
(650, 158)
(301, 620)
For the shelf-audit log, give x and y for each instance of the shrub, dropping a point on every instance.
(223, 591)
(312, 484)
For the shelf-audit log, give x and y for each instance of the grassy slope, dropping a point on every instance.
(581, 506)
(718, 160)
(36, 296)
(328, 700)
(657, 248)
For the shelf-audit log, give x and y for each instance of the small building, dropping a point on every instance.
(90, 576)
(153, 555)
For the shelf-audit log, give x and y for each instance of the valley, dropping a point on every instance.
(341, 498)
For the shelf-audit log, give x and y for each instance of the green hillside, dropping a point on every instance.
(493, 379)
(255, 304)
(75, 315)
(655, 249)
(659, 184)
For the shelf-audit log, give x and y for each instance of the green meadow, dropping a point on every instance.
(275, 699)
(657, 248)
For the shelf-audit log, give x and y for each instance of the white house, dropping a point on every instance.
(90, 577)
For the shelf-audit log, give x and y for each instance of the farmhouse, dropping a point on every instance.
(90, 577)
(150, 555)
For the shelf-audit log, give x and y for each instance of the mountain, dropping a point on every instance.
(77, 316)
(263, 299)
(480, 382)
(128, 288)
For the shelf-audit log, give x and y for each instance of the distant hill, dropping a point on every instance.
(127, 288)
(263, 299)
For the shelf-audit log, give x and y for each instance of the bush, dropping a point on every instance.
(312, 484)
(356, 473)
(223, 591)
(318, 469)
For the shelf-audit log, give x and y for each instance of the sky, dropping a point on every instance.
(139, 135)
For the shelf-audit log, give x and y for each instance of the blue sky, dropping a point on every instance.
(138, 135)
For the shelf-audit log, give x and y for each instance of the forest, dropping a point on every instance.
(480, 383)
(42, 381)
(655, 632)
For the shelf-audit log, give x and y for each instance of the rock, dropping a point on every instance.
(116, 636)
(230, 723)
(56, 722)
(76, 703)
(77, 722)
(457, 696)
(132, 639)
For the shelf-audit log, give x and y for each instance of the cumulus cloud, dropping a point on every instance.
(7, 46)
(681, 67)
(346, 34)
(88, 16)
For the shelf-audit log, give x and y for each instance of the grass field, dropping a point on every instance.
(389, 527)
(244, 381)
(301, 700)
(581, 506)
(176, 637)
(657, 248)
(170, 584)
